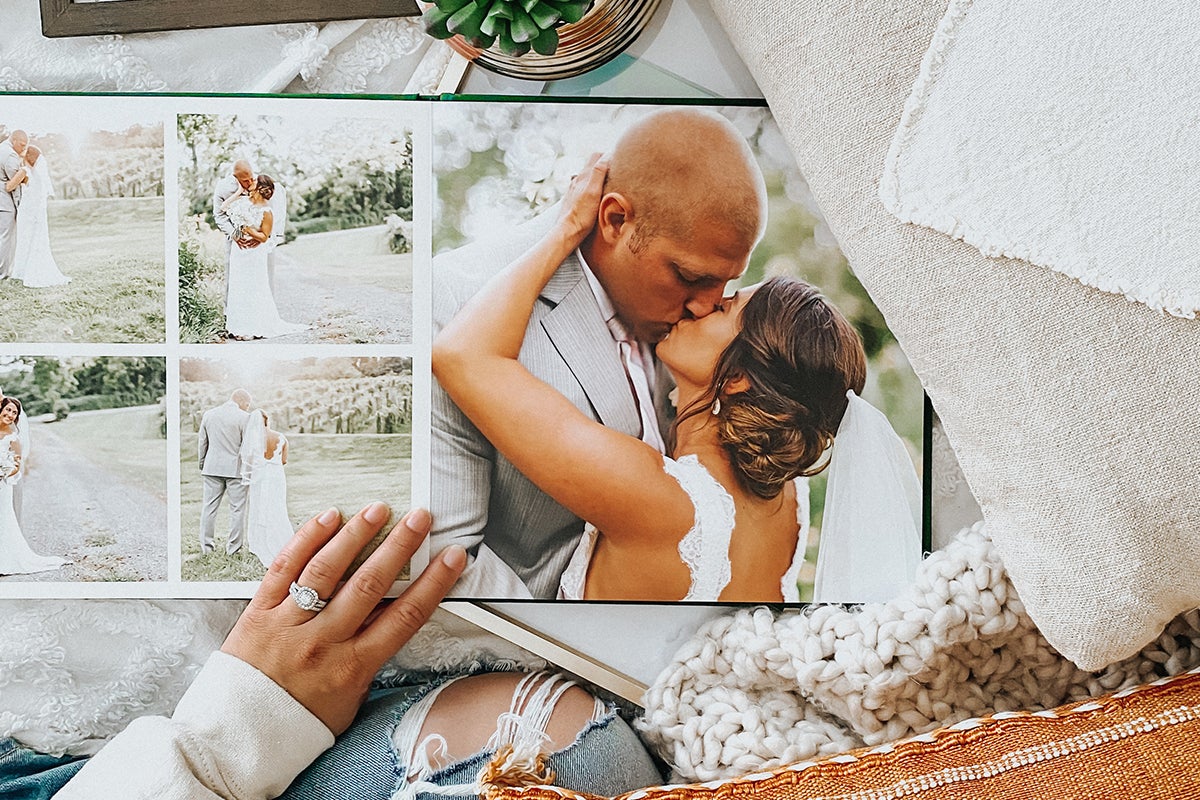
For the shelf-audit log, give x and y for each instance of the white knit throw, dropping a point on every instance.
(756, 690)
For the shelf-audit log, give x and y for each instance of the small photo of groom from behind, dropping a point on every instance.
(219, 447)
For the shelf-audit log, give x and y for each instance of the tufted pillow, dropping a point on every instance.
(1073, 412)
(1137, 744)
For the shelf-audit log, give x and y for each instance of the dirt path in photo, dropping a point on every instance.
(72, 507)
(340, 307)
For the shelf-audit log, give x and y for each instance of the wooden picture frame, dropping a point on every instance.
(73, 18)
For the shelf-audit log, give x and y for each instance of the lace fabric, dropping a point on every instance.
(705, 548)
(337, 57)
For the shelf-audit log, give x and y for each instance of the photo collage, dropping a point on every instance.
(224, 315)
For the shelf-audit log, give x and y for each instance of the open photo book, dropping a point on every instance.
(611, 346)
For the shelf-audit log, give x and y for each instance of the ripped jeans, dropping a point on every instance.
(382, 757)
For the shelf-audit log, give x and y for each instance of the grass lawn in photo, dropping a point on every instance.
(348, 471)
(112, 249)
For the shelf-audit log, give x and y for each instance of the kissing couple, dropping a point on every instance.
(251, 210)
(24, 228)
(555, 460)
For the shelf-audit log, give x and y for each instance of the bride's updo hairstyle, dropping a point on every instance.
(32, 153)
(265, 186)
(799, 356)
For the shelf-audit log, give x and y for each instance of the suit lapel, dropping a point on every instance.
(579, 334)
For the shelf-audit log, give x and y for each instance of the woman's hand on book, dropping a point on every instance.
(326, 658)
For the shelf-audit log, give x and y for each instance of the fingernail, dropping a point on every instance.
(329, 517)
(418, 520)
(454, 557)
(376, 513)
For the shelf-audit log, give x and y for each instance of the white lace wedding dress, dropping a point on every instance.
(16, 556)
(268, 526)
(705, 548)
(33, 263)
(251, 311)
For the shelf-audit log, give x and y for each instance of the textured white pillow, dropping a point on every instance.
(1074, 413)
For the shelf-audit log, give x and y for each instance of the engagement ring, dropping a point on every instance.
(306, 597)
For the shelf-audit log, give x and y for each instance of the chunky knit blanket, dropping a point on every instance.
(758, 689)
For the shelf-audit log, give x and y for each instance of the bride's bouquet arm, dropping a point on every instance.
(606, 477)
(15, 449)
(263, 233)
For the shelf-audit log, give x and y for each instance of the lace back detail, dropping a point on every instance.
(705, 548)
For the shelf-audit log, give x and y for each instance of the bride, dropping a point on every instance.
(16, 557)
(250, 312)
(33, 263)
(263, 455)
(765, 383)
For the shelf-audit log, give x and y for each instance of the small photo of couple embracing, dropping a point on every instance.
(25, 254)
(653, 369)
(83, 494)
(264, 442)
(294, 229)
(81, 224)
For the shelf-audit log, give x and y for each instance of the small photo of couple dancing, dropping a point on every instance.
(81, 223)
(83, 474)
(294, 229)
(266, 444)
(657, 379)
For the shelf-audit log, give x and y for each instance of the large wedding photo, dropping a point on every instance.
(656, 377)
(295, 228)
(81, 221)
(266, 443)
(83, 469)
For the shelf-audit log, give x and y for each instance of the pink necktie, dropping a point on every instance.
(635, 369)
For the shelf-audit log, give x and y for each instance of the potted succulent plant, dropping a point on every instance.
(515, 27)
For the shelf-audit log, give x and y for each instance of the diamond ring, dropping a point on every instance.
(306, 597)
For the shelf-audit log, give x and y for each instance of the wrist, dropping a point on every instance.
(564, 238)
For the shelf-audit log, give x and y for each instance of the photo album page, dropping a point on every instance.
(612, 347)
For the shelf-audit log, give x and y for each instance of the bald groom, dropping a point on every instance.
(684, 204)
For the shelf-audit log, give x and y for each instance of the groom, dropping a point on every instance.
(684, 204)
(13, 176)
(243, 178)
(219, 448)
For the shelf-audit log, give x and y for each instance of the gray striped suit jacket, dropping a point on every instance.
(477, 495)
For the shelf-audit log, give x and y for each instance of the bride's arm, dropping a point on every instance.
(16, 451)
(606, 477)
(283, 455)
(233, 198)
(263, 233)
